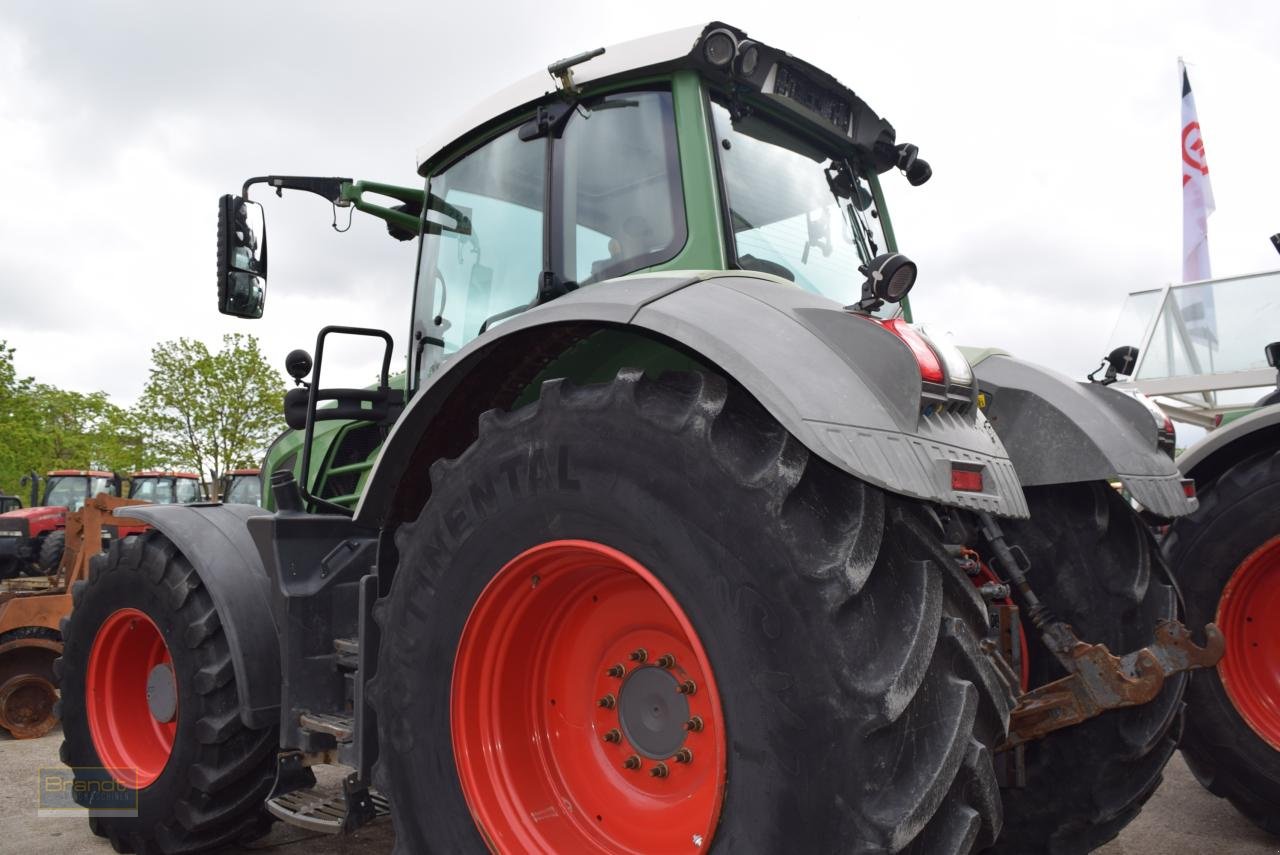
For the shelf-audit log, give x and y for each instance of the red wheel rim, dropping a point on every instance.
(130, 741)
(546, 763)
(1248, 613)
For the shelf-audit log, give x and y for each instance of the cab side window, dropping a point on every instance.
(619, 201)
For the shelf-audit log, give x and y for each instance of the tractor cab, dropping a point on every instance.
(70, 489)
(696, 150)
(166, 488)
(241, 487)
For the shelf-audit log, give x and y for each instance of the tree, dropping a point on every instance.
(43, 427)
(211, 411)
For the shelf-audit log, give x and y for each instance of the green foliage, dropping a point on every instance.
(201, 411)
(43, 427)
(209, 412)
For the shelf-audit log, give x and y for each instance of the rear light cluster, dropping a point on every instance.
(946, 374)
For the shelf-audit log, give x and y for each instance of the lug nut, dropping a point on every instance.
(616, 671)
(533, 583)
(632, 762)
(659, 771)
(686, 688)
(684, 755)
(666, 660)
(613, 736)
(694, 724)
(639, 655)
(608, 702)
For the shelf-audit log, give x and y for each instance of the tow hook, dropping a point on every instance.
(1100, 681)
(1096, 680)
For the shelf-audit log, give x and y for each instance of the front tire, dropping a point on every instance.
(201, 775)
(1227, 559)
(51, 550)
(830, 641)
(1096, 566)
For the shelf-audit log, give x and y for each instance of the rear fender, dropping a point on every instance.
(1060, 431)
(215, 539)
(846, 388)
(1228, 445)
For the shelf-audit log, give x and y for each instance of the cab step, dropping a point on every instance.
(348, 650)
(340, 727)
(334, 811)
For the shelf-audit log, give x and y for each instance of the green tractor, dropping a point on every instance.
(677, 536)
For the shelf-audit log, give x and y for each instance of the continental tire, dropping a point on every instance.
(1096, 566)
(622, 573)
(1227, 559)
(51, 552)
(201, 775)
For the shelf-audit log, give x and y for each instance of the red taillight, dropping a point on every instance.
(930, 365)
(1168, 425)
(966, 480)
(1189, 488)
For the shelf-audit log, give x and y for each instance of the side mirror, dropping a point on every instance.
(242, 257)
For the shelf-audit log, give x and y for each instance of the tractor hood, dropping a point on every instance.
(54, 514)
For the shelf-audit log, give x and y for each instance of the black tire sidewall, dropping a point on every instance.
(698, 531)
(1241, 519)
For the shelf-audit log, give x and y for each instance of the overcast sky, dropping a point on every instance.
(1053, 131)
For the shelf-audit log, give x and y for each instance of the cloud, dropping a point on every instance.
(1052, 132)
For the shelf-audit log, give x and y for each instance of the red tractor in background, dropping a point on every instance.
(32, 539)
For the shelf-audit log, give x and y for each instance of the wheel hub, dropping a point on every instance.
(26, 706)
(162, 693)
(652, 712)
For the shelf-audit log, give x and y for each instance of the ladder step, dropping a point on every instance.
(340, 727)
(319, 811)
(348, 650)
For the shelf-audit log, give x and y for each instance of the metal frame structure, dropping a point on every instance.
(1192, 398)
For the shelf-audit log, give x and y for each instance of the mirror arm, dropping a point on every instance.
(329, 188)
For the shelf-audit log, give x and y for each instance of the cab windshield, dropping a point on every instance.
(796, 212)
(244, 490)
(72, 491)
(165, 491)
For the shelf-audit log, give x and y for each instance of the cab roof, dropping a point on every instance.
(155, 473)
(84, 473)
(778, 78)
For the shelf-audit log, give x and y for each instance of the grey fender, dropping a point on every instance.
(1060, 431)
(1227, 445)
(215, 539)
(849, 390)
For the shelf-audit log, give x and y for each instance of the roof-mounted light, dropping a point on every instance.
(748, 58)
(719, 47)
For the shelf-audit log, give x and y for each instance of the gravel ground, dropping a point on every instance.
(1180, 819)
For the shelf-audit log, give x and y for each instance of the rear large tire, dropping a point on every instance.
(845, 705)
(202, 776)
(1227, 559)
(1094, 563)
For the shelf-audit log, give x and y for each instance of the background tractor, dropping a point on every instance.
(241, 487)
(1207, 349)
(32, 538)
(675, 534)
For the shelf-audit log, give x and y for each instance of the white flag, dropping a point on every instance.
(1197, 195)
